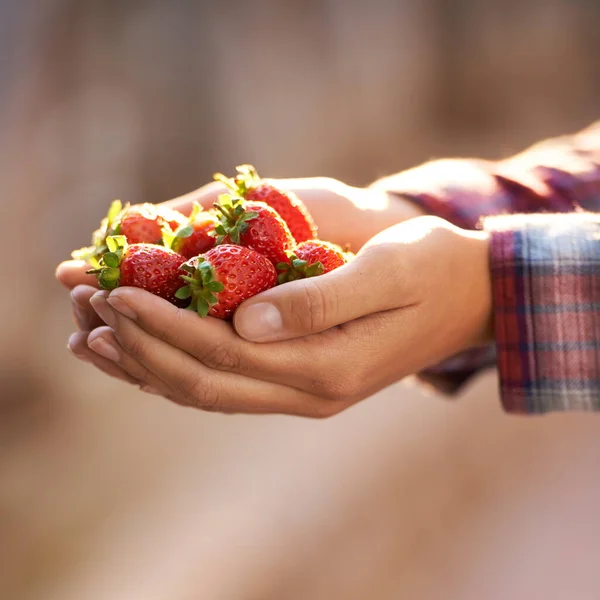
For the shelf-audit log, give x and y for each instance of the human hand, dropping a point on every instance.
(344, 214)
(416, 294)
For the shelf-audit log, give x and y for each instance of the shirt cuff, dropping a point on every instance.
(546, 293)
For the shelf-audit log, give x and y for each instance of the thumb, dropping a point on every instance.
(306, 306)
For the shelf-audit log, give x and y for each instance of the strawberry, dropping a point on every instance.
(220, 280)
(254, 225)
(140, 223)
(195, 236)
(143, 223)
(312, 258)
(147, 266)
(248, 185)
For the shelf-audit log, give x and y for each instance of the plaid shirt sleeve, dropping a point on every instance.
(546, 290)
(545, 268)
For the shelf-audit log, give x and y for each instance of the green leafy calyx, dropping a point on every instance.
(246, 179)
(233, 218)
(109, 226)
(297, 269)
(201, 285)
(174, 239)
(108, 270)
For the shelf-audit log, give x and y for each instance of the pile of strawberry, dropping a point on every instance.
(254, 238)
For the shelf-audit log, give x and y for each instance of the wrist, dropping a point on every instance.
(380, 209)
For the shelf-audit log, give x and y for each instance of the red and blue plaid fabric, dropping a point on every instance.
(545, 267)
(546, 290)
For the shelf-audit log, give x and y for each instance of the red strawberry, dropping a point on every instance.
(143, 223)
(195, 236)
(140, 223)
(220, 280)
(254, 225)
(147, 266)
(292, 210)
(312, 258)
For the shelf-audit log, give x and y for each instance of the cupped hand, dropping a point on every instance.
(417, 293)
(344, 214)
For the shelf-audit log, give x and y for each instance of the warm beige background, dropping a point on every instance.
(109, 494)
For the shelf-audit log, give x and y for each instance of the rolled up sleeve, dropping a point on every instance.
(546, 292)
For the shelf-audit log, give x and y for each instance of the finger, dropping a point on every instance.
(368, 284)
(103, 346)
(84, 315)
(78, 346)
(312, 364)
(72, 273)
(206, 196)
(212, 341)
(190, 383)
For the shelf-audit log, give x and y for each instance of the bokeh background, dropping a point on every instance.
(106, 493)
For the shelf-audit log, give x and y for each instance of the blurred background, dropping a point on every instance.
(106, 493)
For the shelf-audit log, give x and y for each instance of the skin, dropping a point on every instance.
(417, 292)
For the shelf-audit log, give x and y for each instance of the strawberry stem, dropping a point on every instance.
(108, 271)
(246, 179)
(298, 269)
(233, 218)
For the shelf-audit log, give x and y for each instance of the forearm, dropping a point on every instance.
(350, 216)
(558, 175)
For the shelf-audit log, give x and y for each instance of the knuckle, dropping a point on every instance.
(311, 307)
(382, 258)
(133, 345)
(391, 273)
(200, 392)
(224, 356)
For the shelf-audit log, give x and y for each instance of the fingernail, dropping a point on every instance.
(259, 322)
(103, 348)
(122, 307)
(102, 308)
(71, 343)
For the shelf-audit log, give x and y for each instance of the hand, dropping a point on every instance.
(344, 214)
(416, 294)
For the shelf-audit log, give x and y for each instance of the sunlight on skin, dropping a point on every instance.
(346, 215)
(417, 231)
(362, 198)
